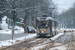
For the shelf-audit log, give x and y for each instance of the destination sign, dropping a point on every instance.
(42, 18)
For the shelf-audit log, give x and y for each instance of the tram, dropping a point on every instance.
(46, 26)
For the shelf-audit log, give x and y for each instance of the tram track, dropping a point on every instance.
(25, 45)
(73, 42)
(69, 46)
(47, 43)
(41, 42)
(60, 42)
(50, 45)
(63, 41)
(32, 44)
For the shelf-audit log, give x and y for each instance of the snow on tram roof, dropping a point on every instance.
(46, 18)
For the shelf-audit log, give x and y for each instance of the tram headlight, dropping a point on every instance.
(42, 31)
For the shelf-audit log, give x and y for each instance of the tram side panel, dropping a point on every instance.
(53, 28)
(56, 27)
(50, 25)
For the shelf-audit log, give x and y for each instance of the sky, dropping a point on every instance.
(63, 5)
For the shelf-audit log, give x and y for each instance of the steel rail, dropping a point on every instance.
(50, 45)
(70, 41)
(32, 44)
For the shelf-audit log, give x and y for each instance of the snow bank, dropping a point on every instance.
(11, 42)
(56, 36)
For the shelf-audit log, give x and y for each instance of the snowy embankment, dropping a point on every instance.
(11, 42)
(56, 36)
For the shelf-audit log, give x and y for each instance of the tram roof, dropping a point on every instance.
(46, 18)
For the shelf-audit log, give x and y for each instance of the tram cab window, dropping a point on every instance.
(43, 24)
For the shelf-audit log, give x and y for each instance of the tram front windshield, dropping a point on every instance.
(43, 24)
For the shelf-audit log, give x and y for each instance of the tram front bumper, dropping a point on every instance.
(43, 33)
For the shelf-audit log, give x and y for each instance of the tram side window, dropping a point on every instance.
(50, 23)
(53, 23)
(56, 24)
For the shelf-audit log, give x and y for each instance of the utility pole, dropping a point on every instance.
(25, 21)
(14, 15)
(0, 23)
(51, 15)
(10, 21)
(1, 15)
(30, 17)
(51, 12)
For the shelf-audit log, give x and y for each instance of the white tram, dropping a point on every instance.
(46, 26)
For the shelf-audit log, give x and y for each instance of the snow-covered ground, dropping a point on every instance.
(11, 42)
(5, 30)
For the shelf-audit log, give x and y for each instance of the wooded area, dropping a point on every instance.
(34, 8)
(68, 17)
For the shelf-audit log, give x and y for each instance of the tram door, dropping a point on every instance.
(50, 25)
(55, 26)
